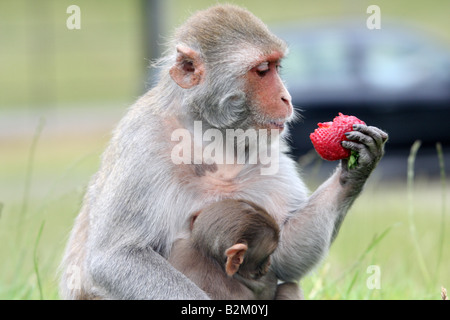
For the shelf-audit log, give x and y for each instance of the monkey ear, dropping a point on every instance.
(193, 218)
(188, 70)
(235, 257)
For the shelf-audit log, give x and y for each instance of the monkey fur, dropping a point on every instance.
(220, 68)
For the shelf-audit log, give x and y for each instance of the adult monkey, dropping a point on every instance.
(221, 69)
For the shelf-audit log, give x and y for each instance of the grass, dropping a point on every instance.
(396, 227)
(36, 261)
(400, 228)
(443, 201)
(50, 192)
(376, 232)
(412, 226)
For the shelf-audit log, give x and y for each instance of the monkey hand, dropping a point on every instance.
(368, 142)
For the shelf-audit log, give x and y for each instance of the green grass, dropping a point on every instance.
(377, 232)
(399, 227)
(50, 193)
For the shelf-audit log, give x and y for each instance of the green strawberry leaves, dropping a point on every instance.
(353, 160)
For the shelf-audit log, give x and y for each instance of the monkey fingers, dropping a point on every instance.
(372, 137)
(364, 152)
(379, 136)
(360, 141)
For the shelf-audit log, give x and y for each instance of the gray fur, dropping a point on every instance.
(139, 201)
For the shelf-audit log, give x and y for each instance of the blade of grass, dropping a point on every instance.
(375, 241)
(29, 173)
(444, 188)
(412, 226)
(352, 283)
(35, 261)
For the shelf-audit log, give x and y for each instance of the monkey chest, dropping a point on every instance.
(278, 194)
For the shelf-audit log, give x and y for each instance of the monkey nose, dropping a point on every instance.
(286, 97)
(287, 101)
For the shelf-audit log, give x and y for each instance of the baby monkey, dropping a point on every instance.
(228, 253)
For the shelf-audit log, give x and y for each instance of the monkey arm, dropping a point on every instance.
(130, 230)
(307, 234)
(123, 258)
(139, 273)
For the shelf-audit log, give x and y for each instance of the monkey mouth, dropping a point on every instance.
(269, 123)
(273, 124)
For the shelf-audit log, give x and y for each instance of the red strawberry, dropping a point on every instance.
(328, 137)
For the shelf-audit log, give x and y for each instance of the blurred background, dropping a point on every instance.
(62, 92)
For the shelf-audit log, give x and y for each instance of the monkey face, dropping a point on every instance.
(270, 100)
(257, 260)
(228, 66)
(254, 269)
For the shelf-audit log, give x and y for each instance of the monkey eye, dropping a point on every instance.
(262, 69)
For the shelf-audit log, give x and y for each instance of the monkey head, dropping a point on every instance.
(226, 65)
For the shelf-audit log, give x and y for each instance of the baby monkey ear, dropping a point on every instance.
(235, 257)
(193, 218)
(188, 70)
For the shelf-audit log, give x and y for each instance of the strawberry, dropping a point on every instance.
(328, 137)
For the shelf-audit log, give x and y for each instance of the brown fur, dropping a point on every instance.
(217, 227)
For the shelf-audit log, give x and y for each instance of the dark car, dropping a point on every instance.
(394, 78)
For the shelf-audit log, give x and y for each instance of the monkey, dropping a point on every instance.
(220, 69)
(228, 253)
